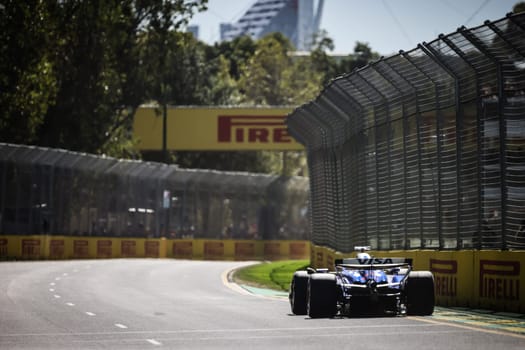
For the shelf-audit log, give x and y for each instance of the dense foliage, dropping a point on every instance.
(73, 72)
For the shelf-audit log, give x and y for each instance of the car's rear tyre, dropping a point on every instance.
(298, 292)
(419, 293)
(322, 295)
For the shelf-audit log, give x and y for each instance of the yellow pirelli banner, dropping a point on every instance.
(72, 247)
(216, 249)
(67, 247)
(214, 129)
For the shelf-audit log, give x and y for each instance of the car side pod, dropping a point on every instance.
(322, 295)
(298, 292)
(419, 293)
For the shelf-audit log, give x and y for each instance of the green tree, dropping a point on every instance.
(262, 79)
(189, 76)
(237, 51)
(223, 87)
(27, 71)
(361, 56)
(70, 72)
(519, 7)
(272, 76)
(322, 62)
(92, 41)
(261, 73)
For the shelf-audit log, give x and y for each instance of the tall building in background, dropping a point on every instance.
(296, 19)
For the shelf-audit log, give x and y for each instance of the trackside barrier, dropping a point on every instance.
(67, 247)
(422, 149)
(492, 280)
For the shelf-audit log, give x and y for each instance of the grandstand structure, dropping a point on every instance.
(298, 20)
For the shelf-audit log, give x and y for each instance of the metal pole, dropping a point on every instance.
(164, 132)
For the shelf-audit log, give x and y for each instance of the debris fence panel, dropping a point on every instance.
(57, 192)
(429, 146)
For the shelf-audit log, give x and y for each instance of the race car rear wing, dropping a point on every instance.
(372, 266)
(379, 262)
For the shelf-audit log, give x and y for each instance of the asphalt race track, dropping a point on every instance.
(177, 304)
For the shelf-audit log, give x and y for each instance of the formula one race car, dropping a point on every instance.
(363, 285)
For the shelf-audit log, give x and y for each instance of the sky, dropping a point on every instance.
(386, 25)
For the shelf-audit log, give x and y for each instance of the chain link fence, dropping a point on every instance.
(424, 149)
(57, 192)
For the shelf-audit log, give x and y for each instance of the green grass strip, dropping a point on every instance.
(273, 275)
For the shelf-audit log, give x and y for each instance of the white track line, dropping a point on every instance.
(154, 342)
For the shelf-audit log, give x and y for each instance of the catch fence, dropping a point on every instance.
(57, 192)
(424, 149)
